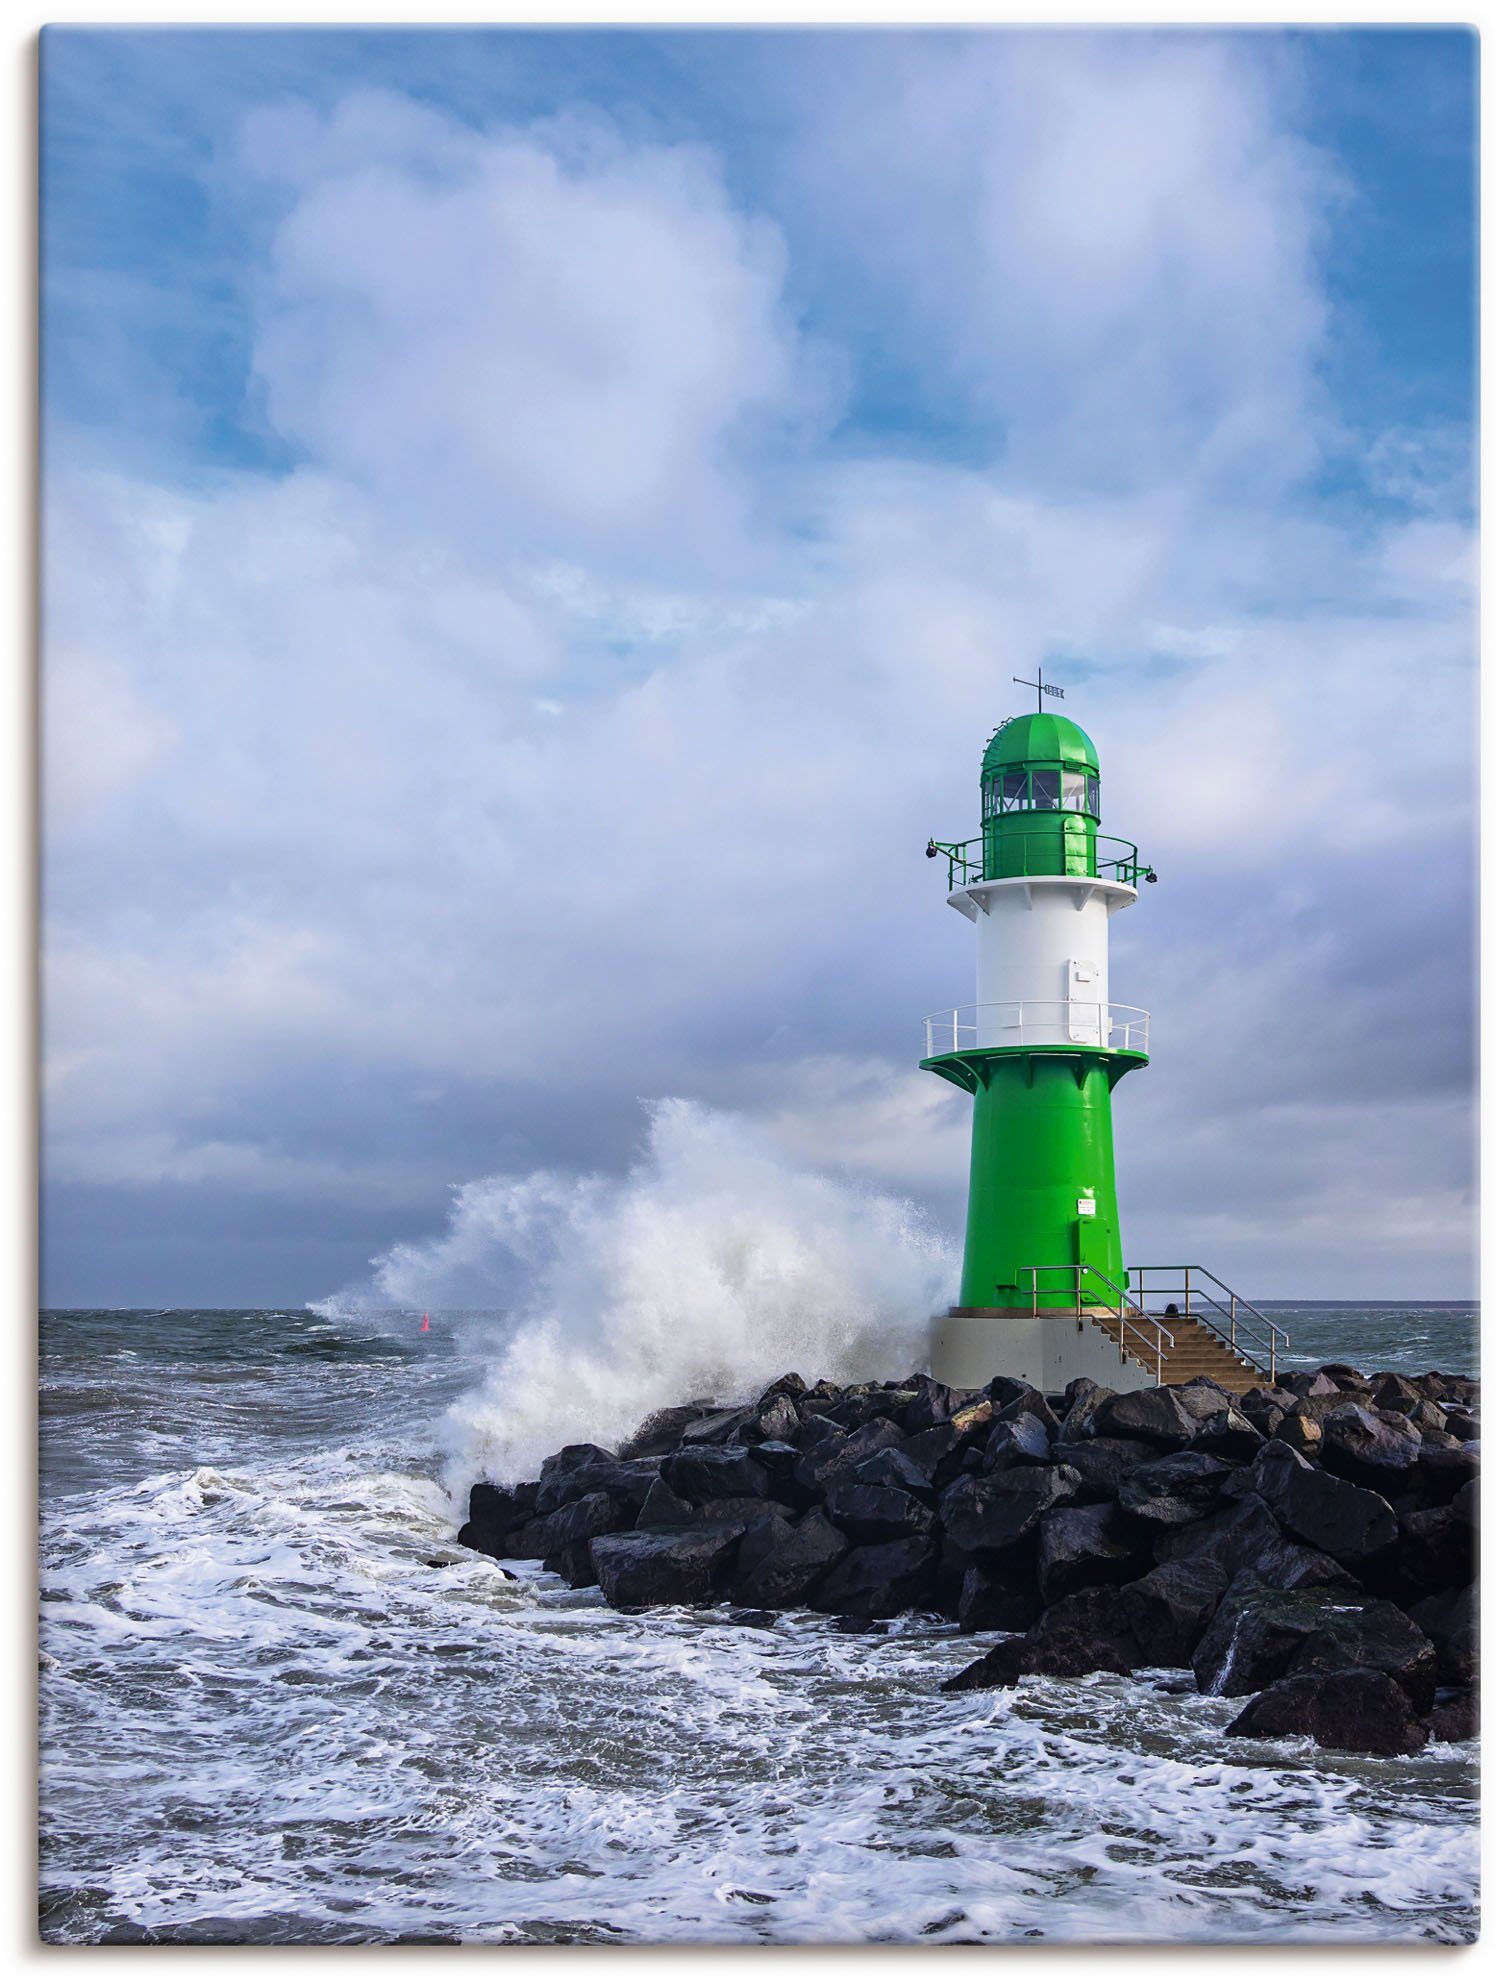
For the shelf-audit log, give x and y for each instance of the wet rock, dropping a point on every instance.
(1022, 1441)
(1463, 1425)
(935, 1453)
(1259, 1635)
(931, 1406)
(1391, 1393)
(1357, 1708)
(1455, 1718)
(829, 1459)
(1264, 1406)
(665, 1566)
(1311, 1384)
(1103, 1464)
(790, 1385)
(781, 1565)
(1303, 1434)
(1168, 1609)
(1087, 1545)
(742, 1509)
(1025, 1401)
(1354, 1525)
(1000, 1597)
(662, 1508)
(547, 1536)
(1435, 1550)
(1228, 1434)
(712, 1473)
(1178, 1488)
(1083, 1398)
(1369, 1448)
(716, 1428)
(869, 1513)
(892, 1467)
(576, 1471)
(1085, 1633)
(660, 1432)
(876, 1580)
(1448, 1619)
(493, 1513)
(1444, 1471)
(986, 1515)
(778, 1420)
(1156, 1416)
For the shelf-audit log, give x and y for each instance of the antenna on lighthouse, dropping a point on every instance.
(1044, 688)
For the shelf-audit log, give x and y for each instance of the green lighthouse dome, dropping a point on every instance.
(1040, 738)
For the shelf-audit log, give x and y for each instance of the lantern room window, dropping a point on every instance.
(1046, 790)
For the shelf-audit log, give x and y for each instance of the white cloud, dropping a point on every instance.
(568, 727)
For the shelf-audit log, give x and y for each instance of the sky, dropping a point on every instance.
(538, 527)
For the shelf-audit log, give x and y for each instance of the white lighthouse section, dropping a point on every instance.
(1042, 962)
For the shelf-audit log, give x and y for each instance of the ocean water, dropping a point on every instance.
(280, 1705)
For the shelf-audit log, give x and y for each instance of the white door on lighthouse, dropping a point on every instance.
(1083, 984)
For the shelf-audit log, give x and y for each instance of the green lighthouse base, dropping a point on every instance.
(1041, 1220)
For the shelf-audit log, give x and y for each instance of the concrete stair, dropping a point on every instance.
(1197, 1352)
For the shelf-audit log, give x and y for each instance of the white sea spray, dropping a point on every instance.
(712, 1266)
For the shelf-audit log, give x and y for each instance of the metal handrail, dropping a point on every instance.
(1123, 1301)
(1038, 1023)
(963, 866)
(1269, 1338)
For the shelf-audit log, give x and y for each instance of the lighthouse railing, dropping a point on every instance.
(1035, 852)
(1227, 1315)
(1038, 1023)
(1127, 1311)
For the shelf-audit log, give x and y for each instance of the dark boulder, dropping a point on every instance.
(1354, 1525)
(1087, 1545)
(743, 1509)
(1176, 1488)
(711, 1473)
(1448, 1618)
(1444, 1471)
(575, 1471)
(1310, 1384)
(1156, 1416)
(828, 1459)
(1086, 1633)
(985, 1515)
(1229, 1434)
(1303, 1434)
(578, 1522)
(932, 1405)
(1260, 1634)
(790, 1385)
(660, 1433)
(662, 1508)
(1022, 1441)
(778, 1420)
(1357, 1708)
(1455, 1718)
(1001, 1597)
(935, 1453)
(666, 1566)
(1264, 1406)
(1168, 1609)
(780, 1565)
(869, 1513)
(877, 1580)
(1102, 1464)
(1435, 1549)
(1025, 1401)
(1375, 1450)
(1390, 1393)
(1083, 1398)
(892, 1467)
(493, 1514)
(717, 1429)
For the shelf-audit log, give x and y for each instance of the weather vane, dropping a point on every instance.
(1044, 688)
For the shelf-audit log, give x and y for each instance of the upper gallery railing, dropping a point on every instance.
(1039, 852)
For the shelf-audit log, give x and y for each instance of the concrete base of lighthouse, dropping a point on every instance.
(970, 1347)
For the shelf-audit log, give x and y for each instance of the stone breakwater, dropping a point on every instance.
(1309, 1545)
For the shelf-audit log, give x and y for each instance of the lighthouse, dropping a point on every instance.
(1046, 1294)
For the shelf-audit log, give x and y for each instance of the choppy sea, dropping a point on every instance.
(280, 1705)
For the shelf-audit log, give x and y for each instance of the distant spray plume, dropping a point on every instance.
(711, 1267)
